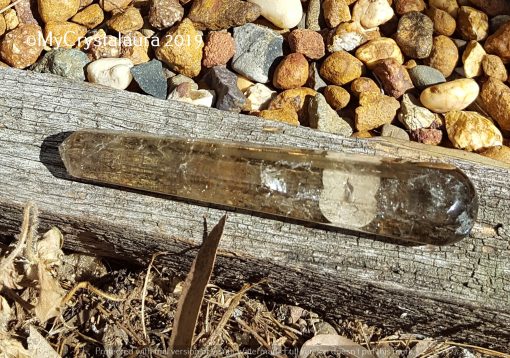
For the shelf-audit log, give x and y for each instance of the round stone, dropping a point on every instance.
(450, 96)
(291, 72)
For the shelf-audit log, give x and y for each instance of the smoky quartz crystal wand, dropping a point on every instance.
(424, 203)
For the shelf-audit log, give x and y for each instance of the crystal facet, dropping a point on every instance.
(425, 203)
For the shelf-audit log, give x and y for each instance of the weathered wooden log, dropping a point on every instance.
(460, 292)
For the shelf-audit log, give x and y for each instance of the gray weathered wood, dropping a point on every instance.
(460, 292)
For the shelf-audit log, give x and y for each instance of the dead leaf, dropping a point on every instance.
(50, 295)
(334, 343)
(49, 249)
(11, 348)
(5, 315)
(193, 290)
(38, 346)
(422, 347)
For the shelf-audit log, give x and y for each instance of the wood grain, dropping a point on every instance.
(460, 292)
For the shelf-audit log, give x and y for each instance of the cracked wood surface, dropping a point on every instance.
(459, 292)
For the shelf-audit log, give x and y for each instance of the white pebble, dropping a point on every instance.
(201, 97)
(372, 13)
(450, 96)
(258, 97)
(111, 72)
(285, 14)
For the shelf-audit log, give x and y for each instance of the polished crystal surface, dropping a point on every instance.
(419, 202)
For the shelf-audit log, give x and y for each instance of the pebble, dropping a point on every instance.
(63, 34)
(228, 96)
(404, 6)
(430, 136)
(176, 80)
(90, 17)
(285, 115)
(68, 63)
(444, 55)
(391, 131)
(111, 72)
(149, 77)
(3, 26)
(444, 23)
(307, 42)
(324, 118)
(226, 13)
(501, 153)
(284, 14)
(126, 21)
(341, 68)
(415, 34)
(114, 5)
(16, 48)
(11, 19)
(294, 99)
(315, 80)
(413, 116)
(375, 110)
(337, 97)
(291, 72)
(243, 83)
(185, 59)
(57, 10)
(499, 43)
(425, 76)
(187, 93)
(497, 21)
(163, 14)
(494, 67)
(135, 46)
(379, 49)
(336, 12)
(313, 15)
(349, 36)
(104, 47)
(450, 96)
(24, 12)
(364, 84)
(493, 7)
(495, 99)
(372, 13)
(219, 48)
(472, 58)
(450, 6)
(471, 131)
(258, 97)
(393, 76)
(472, 24)
(257, 49)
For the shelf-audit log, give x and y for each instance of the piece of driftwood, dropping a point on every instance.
(460, 292)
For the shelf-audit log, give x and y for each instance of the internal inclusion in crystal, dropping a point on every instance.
(419, 202)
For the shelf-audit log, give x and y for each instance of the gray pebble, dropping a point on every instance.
(425, 76)
(315, 81)
(497, 21)
(257, 50)
(67, 63)
(228, 96)
(325, 119)
(313, 15)
(389, 130)
(150, 78)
